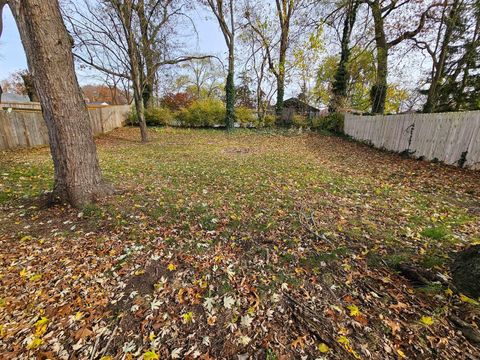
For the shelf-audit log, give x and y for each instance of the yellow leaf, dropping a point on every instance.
(354, 311)
(171, 267)
(449, 292)
(400, 353)
(41, 326)
(188, 317)
(78, 315)
(139, 272)
(152, 336)
(150, 355)
(43, 320)
(323, 348)
(35, 277)
(35, 343)
(343, 340)
(427, 320)
(26, 238)
(108, 357)
(468, 300)
(23, 273)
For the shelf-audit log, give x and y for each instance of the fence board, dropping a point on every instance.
(25, 127)
(453, 138)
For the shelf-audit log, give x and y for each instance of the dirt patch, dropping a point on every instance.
(238, 151)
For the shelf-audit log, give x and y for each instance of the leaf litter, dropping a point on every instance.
(268, 245)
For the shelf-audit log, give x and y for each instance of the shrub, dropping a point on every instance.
(153, 117)
(205, 112)
(245, 116)
(299, 120)
(269, 120)
(332, 123)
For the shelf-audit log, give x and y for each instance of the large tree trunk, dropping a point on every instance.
(230, 90)
(78, 178)
(378, 94)
(340, 84)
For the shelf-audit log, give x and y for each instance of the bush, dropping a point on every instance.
(269, 120)
(299, 121)
(332, 123)
(205, 112)
(245, 116)
(153, 117)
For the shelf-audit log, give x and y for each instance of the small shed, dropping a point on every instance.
(295, 106)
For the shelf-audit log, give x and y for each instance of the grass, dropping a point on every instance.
(204, 199)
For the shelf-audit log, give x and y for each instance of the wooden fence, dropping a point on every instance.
(452, 138)
(22, 125)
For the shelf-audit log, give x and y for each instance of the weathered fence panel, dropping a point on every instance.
(453, 138)
(23, 126)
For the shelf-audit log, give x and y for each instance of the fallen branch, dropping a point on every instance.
(421, 276)
(309, 318)
(471, 333)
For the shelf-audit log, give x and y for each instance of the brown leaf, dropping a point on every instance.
(83, 333)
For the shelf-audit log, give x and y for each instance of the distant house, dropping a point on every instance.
(13, 98)
(295, 106)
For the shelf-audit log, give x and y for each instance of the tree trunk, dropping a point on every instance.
(342, 76)
(135, 68)
(78, 178)
(30, 86)
(378, 94)
(281, 73)
(147, 52)
(230, 90)
(440, 66)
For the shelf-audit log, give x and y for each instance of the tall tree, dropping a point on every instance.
(454, 81)
(285, 10)
(341, 80)
(382, 10)
(78, 178)
(226, 21)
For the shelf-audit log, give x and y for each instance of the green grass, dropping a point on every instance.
(257, 184)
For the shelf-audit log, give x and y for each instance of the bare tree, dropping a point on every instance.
(78, 179)
(129, 39)
(285, 11)
(381, 11)
(226, 21)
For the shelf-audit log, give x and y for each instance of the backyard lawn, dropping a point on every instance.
(255, 244)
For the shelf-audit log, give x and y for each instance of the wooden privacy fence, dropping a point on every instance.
(452, 138)
(23, 126)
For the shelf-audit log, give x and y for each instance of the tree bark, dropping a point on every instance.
(378, 94)
(125, 12)
(342, 76)
(230, 90)
(78, 178)
(439, 67)
(285, 11)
